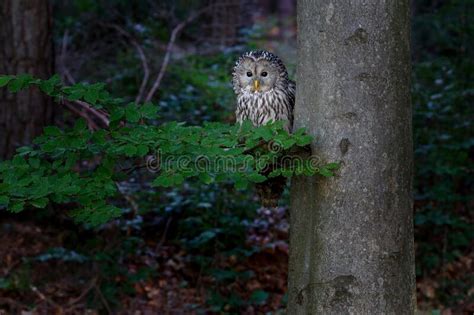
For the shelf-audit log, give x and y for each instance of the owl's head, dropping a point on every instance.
(258, 72)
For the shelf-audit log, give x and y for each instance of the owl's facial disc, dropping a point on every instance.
(257, 76)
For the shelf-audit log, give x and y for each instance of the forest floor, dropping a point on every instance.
(32, 282)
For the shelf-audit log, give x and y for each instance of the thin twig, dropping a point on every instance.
(90, 122)
(102, 298)
(45, 298)
(141, 55)
(99, 114)
(128, 198)
(62, 58)
(169, 49)
(89, 287)
(163, 237)
(64, 43)
(103, 117)
(129, 170)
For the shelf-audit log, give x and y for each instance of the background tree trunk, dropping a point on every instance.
(27, 47)
(351, 239)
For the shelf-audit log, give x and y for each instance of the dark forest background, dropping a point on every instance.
(211, 249)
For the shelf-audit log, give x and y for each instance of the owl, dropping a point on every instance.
(264, 91)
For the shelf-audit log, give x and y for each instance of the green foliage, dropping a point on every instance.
(215, 152)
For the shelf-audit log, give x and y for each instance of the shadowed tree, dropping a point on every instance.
(351, 239)
(26, 37)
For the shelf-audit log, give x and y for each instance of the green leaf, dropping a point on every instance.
(256, 177)
(131, 113)
(40, 189)
(205, 178)
(91, 96)
(49, 85)
(287, 172)
(303, 140)
(142, 150)
(100, 137)
(96, 215)
(245, 127)
(34, 162)
(20, 82)
(4, 79)
(40, 203)
(241, 183)
(264, 132)
(149, 111)
(332, 166)
(299, 132)
(168, 180)
(4, 200)
(24, 150)
(178, 179)
(117, 114)
(288, 143)
(130, 150)
(80, 124)
(325, 172)
(204, 238)
(275, 173)
(15, 85)
(51, 131)
(17, 206)
(74, 93)
(163, 180)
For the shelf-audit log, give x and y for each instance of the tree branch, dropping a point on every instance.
(90, 122)
(103, 117)
(169, 48)
(141, 55)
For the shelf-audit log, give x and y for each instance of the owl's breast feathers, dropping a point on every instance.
(261, 108)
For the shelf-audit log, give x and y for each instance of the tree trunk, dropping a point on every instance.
(351, 238)
(26, 47)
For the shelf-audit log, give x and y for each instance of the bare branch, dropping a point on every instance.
(131, 201)
(102, 298)
(141, 55)
(86, 111)
(169, 48)
(88, 288)
(45, 298)
(90, 122)
(102, 116)
(62, 58)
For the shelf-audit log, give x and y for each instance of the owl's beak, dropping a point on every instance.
(256, 85)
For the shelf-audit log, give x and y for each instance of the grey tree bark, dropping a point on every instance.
(26, 47)
(351, 237)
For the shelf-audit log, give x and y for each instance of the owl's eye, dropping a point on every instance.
(249, 74)
(264, 74)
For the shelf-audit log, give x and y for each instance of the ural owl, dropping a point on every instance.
(264, 91)
(264, 94)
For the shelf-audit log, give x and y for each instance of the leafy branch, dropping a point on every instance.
(49, 170)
